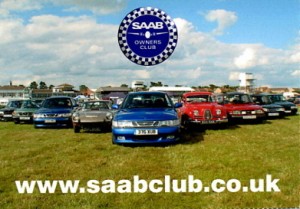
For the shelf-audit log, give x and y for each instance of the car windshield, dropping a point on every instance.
(14, 104)
(95, 105)
(261, 100)
(239, 98)
(57, 103)
(29, 104)
(199, 98)
(277, 98)
(147, 100)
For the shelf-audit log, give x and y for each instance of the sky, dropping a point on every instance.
(75, 42)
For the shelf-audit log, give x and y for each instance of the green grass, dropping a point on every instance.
(242, 152)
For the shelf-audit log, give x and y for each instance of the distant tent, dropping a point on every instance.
(80, 97)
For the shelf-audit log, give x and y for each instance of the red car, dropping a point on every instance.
(240, 106)
(201, 108)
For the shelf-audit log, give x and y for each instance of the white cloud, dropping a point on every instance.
(247, 59)
(80, 50)
(295, 57)
(253, 55)
(96, 6)
(94, 49)
(23, 5)
(296, 73)
(223, 18)
(234, 76)
(141, 74)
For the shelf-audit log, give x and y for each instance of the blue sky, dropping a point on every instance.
(75, 41)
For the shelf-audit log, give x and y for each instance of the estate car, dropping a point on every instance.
(6, 112)
(24, 114)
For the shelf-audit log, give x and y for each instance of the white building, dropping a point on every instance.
(246, 82)
(136, 85)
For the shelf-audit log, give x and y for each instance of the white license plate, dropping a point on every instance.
(146, 132)
(24, 118)
(50, 121)
(7, 116)
(273, 114)
(208, 122)
(288, 111)
(249, 117)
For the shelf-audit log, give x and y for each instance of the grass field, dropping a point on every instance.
(243, 152)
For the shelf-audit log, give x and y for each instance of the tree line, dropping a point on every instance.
(83, 88)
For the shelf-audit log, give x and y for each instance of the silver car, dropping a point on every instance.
(93, 115)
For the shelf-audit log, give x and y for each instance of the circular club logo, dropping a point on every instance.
(147, 36)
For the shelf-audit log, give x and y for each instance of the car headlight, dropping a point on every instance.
(265, 109)
(1, 113)
(218, 111)
(14, 113)
(64, 115)
(196, 112)
(38, 115)
(236, 112)
(280, 109)
(259, 111)
(293, 107)
(109, 116)
(169, 123)
(122, 124)
(75, 117)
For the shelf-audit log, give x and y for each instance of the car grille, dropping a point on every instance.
(8, 112)
(248, 112)
(50, 115)
(207, 115)
(145, 123)
(25, 114)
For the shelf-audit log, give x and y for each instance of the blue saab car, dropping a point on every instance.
(55, 112)
(146, 118)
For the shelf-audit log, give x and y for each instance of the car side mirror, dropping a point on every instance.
(178, 105)
(115, 106)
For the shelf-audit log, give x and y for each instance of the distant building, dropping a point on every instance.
(137, 85)
(112, 93)
(65, 90)
(175, 92)
(40, 94)
(9, 92)
(60, 90)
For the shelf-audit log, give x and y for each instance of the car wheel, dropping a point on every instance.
(76, 129)
(185, 125)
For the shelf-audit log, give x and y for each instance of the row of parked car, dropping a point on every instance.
(148, 117)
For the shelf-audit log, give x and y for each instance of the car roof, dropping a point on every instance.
(268, 94)
(197, 93)
(58, 97)
(97, 101)
(239, 93)
(148, 92)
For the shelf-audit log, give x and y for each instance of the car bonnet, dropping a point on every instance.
(146, 114)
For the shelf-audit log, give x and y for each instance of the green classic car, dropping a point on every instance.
(25, 112)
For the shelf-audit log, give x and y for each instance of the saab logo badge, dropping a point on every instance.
(147, 36)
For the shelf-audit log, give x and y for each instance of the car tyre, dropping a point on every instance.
(76, 129)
